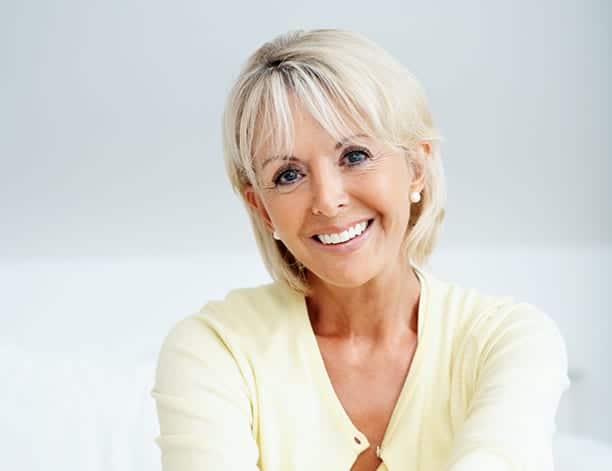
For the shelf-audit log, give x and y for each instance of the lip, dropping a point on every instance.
(349, 245)
(339, 229)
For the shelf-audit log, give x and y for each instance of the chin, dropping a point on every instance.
(351, 278)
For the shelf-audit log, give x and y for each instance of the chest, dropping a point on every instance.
(368, 391)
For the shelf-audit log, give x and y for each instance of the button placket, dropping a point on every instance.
(378, 452)
(360, 442)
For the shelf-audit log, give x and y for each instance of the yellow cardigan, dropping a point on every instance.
(241, 385)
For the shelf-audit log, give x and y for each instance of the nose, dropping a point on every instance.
(328, 191)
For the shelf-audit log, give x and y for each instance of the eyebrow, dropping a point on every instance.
(292, 158)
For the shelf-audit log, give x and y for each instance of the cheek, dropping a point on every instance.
(400, 186)
(285, 211)
(389, 189)
(390, 195)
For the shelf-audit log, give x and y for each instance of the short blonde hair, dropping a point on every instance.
(345, 81)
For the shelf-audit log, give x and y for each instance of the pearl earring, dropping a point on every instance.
(415, 196)
(276, 236)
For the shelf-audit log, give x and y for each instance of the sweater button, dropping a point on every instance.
(357, 440)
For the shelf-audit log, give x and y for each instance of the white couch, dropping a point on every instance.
(80, 340)
(93, 412)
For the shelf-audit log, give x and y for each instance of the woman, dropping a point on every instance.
(355, 357)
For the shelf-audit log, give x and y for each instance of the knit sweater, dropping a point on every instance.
(241, 385)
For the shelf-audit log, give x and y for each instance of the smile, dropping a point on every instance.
(343, 236)
(346, 241)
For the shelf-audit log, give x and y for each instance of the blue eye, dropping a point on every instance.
(356, 152)
(292, 175)
(279, 181)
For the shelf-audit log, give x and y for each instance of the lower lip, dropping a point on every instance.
(349, 245)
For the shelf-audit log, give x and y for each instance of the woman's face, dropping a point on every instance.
(336, 184)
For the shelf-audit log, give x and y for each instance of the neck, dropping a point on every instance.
(385, 307)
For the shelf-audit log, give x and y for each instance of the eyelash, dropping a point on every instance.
(289, 167)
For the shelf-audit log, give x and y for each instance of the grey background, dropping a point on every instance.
(110, 117)
(116, 217)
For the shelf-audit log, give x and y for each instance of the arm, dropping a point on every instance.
(522, 375)
(203, 404)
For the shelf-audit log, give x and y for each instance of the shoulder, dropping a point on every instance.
(242, 317)
(520, 326)
(459, 308)
(517, 338)
(252, 311)
(483, 320)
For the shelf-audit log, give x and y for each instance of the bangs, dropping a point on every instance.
(270, 114)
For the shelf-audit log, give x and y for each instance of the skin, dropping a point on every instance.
(364, 306)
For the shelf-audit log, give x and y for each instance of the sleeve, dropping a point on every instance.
(521, 376)
(203, 403)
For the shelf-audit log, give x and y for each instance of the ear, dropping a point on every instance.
(425, 148)
(424, 153)
(254, 201)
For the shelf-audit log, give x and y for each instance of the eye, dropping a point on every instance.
(353, 157)
(287, 176)
(291, 174)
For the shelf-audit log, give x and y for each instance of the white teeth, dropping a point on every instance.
(343, 236)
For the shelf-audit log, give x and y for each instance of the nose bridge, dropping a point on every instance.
(327, 187)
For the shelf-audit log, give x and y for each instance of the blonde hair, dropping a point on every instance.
(346, 82)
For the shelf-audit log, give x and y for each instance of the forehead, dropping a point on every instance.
(279, 134)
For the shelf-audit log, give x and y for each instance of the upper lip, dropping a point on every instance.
(338, 229)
